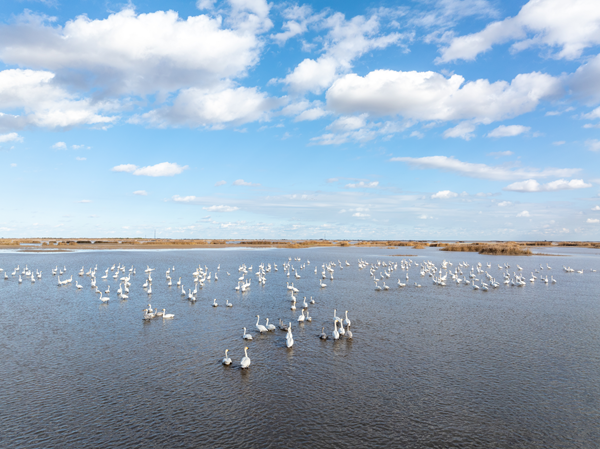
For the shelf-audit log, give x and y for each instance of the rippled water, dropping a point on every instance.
(427, 367)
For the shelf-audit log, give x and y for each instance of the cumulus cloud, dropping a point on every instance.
(311, 114)
(431, 96)
(482, 171)
(585, 84)
(34, 98)
(221, 208)
(444, 194)
(531, 185)
(186, 199)
(220, 183)
(463, 130)
(596, 208)
(345, 41)
(10, 137)
(360, 215)
(140, 192)
(504, 203)
(141, 53)
(508, 131)
(592, 220)
(162, 169)
(241, 182)
(523, 214)
(363, 185)
(196, 107)
(569, 27)
(78, 158)
(60, 146)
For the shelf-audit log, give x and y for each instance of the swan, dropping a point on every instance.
(323, 335)
(260, 327)
(245, 363)
(335, 334)
(342, 331)
(347, 322)
(78, 285)
(228, 304)
(226, 361)
(289, 338)
(293, 305)
(103, 299)
(246, 336)
(308, 318)
(312, 301)
(301, 317)
(107, 291)
(282, 325)
(167, 315)
(215, 303)
(271, 327)
(348, 333)
(335, 317)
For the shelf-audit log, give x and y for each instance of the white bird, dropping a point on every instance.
(228, 304)
(215, 303)
(167, 315)
(246, 336)
(335, 334)
(312, 301)
(103, 299)
(271, 327)
(260, 327)
(289, 338)
(245, 363)
(301, 317)
(323, 335)
(226, 361)
(347, 322)
(348, 333)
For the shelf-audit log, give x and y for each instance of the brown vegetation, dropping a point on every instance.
(498, 249)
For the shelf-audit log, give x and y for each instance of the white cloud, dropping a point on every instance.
(559, 143)
(162, 169)
(363, 185)
(215, 108)
(482, 171)
(186, 199)
(596, 208)
(501, 153)
(523, 214)
(13, 165)
(78, 147)
(504, 203)
(585, 83)
(432, 96)
(345, 41)
(221, 208)
(60, 146)
(10, 137)
(463, 130)
(593, 144)
(592, 115)
(531, 185)
(142, 53)
(311, 114)
(299, 18)
(84, 201)
(220, 183)
(241, 182)
(569, 26)
(444, 194)
(80, 158)
(508, 131)
(37, 100)
(140, 192)
(592, 220)
(360, 215)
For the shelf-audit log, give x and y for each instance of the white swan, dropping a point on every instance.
(228, 304)
(103, 299)
(167, 315)
(347, 322)
(301, 317)
(260, 327)
(245, 363)
(289, 338)
(246, 336)
(293, 305)
(323, 335)
(215, 303)
(226, 361)
(271, 327)
(335, 334)
(348, 333)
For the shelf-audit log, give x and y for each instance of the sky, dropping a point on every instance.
(431, 119)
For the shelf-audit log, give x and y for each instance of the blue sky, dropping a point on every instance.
(448, 119)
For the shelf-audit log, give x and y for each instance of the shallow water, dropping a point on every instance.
(427, 367)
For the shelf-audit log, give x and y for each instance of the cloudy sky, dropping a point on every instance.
(431, 119)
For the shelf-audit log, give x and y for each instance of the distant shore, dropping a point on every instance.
(511, 248)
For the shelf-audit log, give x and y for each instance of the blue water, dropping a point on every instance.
(427, 367)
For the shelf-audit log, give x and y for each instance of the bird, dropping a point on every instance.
(103, 299)
(228, 304)
(226, 361)
(167, 315)
(271, 327)
(245, 363)
(246, 336)
(215, 303)
(335, 334)
(323, 335)
(289, 338)
(260, 327)
(301, 317)
(348, 332)
(347, 321)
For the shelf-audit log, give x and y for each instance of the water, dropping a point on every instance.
(427, 367)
